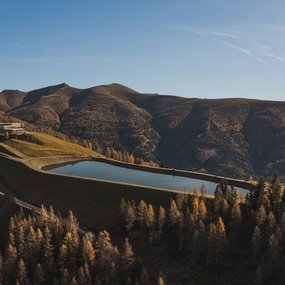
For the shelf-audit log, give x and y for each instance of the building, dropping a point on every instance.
(12, 129)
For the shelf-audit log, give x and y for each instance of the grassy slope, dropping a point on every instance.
(46, 146)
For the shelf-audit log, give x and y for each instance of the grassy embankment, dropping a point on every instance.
(45, 150)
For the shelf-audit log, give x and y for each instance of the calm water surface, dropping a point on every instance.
(100, 170)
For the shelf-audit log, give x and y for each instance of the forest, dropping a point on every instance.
(227, 239)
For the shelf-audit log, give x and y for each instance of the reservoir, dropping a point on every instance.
(105, 171)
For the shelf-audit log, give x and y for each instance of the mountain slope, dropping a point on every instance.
(237, 137)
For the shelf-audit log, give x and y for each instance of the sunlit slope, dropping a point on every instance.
(45, 145)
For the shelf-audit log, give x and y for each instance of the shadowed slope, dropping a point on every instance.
(238, 137)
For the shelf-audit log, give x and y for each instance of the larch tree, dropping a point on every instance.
(202, 210)
(221, 238)
(256, 241)
(22, 273)
(161, 221)
(174, 213)
(142, 214)
(235, 222)
(211, 243)
(108, 152)
(273, 247)
(39, 275)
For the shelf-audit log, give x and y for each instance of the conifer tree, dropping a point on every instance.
(88, 252)
(218, 202)
(235, 221)
(48, 260)
(128, 256)
(211, 243)
(256, 241)
(160, 281)
(87, 275)
(127, 214)
(221, 238)
(65, 277)
(20, 241)
(73, 281)
(131, 159)
(108, 152)
(271, 223)
(144, 278)
(39, 275)
(274, 247)
(202, 210)
(161, 221)
(203, 190)
(195, 208)
(62, 258)
(142, 214)
(180, 200)
(150, 222)
(21, 273)
(174, 213)
(261, 216)
(10, 260)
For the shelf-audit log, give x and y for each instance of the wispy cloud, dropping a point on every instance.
(225, 35)
(267, 51)
(30, 59)
(12, 44)
(244, 51)
(239, 40)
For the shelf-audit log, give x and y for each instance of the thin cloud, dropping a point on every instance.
(250, 48)
(11, 44)
(30, 59)
(267, 51)
(225, 35)
(246, 52)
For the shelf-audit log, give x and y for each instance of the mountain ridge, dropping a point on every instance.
(231, 136)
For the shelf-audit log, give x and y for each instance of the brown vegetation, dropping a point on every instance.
(226, 136)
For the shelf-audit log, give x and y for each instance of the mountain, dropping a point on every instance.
(237, 137)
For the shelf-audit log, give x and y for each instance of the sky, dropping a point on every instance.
(205, 48)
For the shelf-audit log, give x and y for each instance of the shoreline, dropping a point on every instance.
(159, 170)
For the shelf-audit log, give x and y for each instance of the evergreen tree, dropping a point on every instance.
(256, 241)
(174, 213)
(142, 214)
(10, 260)
(274, 247)
(128, 258)
(127, 215)
(221, 238)
(88, 252)
(161, 221)
(211, 243)
(65, 277)
(202, 210)
(235, 222)
(108, 152)
(160, 281)
(39, 275)
(22, 273)
(195, 208)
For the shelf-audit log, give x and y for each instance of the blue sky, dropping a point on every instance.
(205, 48)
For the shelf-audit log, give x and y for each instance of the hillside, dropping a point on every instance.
(237, 137)
(45, 145)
